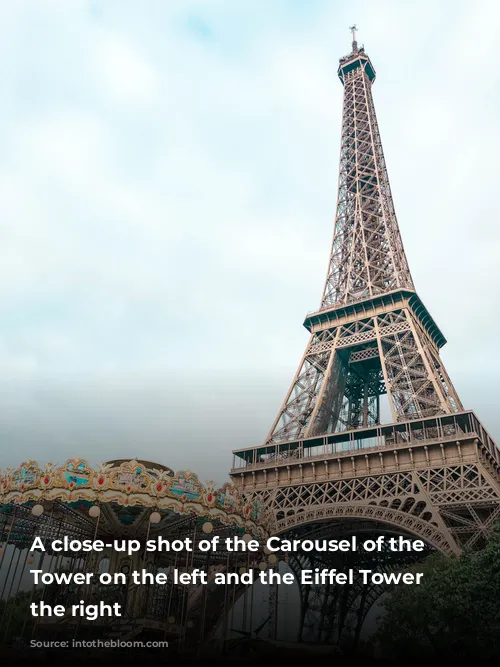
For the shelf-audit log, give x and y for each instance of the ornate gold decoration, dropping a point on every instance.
(131, 483)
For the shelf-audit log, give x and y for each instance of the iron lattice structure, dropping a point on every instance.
(372, 335)
(433, 472)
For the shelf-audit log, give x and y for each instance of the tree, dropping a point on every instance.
(454, 612)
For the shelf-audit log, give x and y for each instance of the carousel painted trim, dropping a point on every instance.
(132, 483)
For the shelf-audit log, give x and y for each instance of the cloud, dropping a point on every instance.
(168, 183)
(127, 75)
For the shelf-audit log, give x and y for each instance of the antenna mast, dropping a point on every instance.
(353, 30)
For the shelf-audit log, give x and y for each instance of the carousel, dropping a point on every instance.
(123, 500)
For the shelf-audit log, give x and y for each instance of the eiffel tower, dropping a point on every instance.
(330, 465)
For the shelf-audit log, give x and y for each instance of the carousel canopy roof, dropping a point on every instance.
(127, 487)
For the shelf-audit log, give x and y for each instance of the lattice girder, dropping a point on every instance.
(367, 264)
(447, 493)
(346, 364)
(330, 612)
(367, 254)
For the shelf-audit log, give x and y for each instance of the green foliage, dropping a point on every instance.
(454, 612)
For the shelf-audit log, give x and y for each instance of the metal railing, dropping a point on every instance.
(432, 429)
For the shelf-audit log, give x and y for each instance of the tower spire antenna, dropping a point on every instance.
(353, 30)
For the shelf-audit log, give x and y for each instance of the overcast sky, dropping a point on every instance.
(168, 176)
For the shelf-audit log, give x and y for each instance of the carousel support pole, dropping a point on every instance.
(33, 590)
(85, 597)
(251, 607)
(8, 572)
(42, 558)
(16, 593)
(232, 599)
(204, 604)
(245, 599)
(169, 607)
(87, 593)
(14, 513)
(141, 608)
(233, 602)
(273, 611)
(14, 516)
(154, 517)
(184, 606)
(186, 620)
(4, 522)
(11, 583)
(226, 614)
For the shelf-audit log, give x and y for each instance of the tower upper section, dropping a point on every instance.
(356, 59)
(367, 257)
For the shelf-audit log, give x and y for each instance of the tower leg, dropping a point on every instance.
(360, 616)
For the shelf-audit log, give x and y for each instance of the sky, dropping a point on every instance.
(168, 176)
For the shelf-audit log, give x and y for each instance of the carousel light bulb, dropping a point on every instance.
(207, 527)
(273, 558)
(155, 517)
(242, 570)
(246, 538)
(171, 620)
(95, 511)
(262, 566)
(37, 510)
(267, 551)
